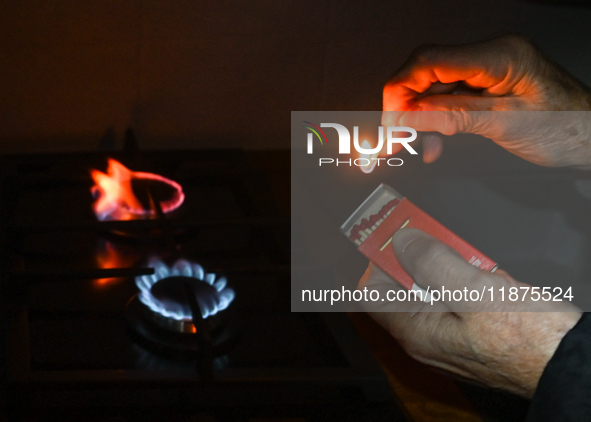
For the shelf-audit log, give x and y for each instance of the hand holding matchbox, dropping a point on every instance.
(382, 214)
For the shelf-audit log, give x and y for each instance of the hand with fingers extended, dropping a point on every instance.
(485, 88)
(485, 341)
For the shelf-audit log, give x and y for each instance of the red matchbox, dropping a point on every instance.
(382, 214)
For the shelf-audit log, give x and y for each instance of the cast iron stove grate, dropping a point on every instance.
(68, 351)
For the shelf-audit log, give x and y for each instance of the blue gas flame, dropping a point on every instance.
(186, 269)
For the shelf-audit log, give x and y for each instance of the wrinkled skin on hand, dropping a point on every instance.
(489, 89)
(468, 86)
(485, 341)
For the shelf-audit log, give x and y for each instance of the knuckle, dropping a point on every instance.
(517, 45)
(424, 53)
(455, 121)
(466, 119)
(517, 40)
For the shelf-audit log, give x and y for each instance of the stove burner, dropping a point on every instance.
(165, 294)
(171, 292)
(162, 313)
(220, 335)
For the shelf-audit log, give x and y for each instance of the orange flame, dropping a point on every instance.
(115, 197)
(109, 257)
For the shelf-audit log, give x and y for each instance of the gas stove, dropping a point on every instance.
(181, 315)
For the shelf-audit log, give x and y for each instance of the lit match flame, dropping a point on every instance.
(372, 159)
(115, 197)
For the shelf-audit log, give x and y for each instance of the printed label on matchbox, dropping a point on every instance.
(385, 212)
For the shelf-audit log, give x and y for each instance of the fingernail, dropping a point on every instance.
(432, 148)
(387, 118)
(404, 237)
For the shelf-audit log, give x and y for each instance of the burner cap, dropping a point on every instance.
(165, 336)
(167, 299)
(162, 313)
(171, 292)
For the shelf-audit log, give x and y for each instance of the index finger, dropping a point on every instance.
(491, 65)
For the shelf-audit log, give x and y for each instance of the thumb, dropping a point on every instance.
(432, 147)
(443, 121)
(432, 263)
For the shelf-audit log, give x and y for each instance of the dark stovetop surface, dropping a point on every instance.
(67, 345)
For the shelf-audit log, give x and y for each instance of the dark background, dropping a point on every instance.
(198, 74)
(201, 74)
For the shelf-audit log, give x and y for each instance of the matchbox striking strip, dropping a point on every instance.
(385, 212)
